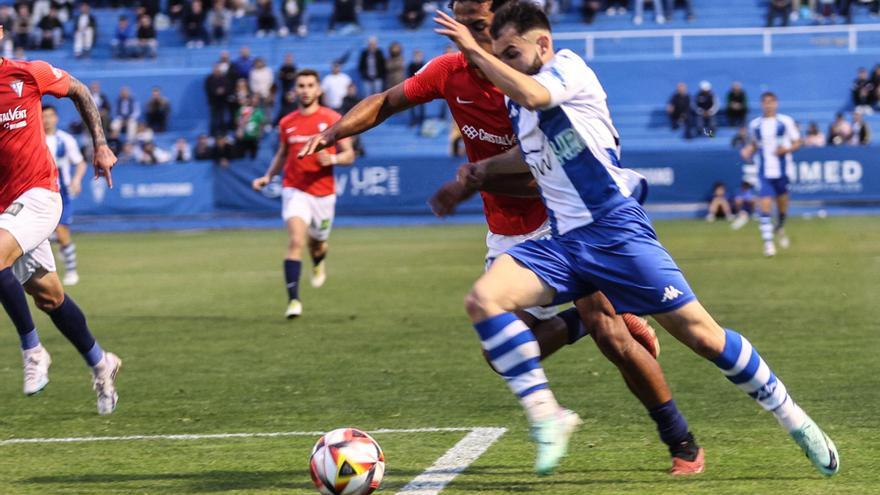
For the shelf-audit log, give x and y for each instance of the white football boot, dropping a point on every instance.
(36, 369)
(818, 448)
(70, 278)
(294, 309)
(319, 275)
(769, 249)
(104, 382)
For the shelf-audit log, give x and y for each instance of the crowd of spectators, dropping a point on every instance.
(701, 110)
(817, 11)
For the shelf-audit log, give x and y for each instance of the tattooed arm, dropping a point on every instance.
(88, 111)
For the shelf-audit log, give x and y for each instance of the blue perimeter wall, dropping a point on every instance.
(401, 186)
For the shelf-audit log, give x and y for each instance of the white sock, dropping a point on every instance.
(790, 415)
(540, 405)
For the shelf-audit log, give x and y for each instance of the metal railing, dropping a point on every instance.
(679, 36)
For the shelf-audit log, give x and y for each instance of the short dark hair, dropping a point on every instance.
(307, 72)
(769, 94)
(523, 16)
(496, 4)
(49, 107)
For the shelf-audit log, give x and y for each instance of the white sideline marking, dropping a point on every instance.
(454, 461)
(212, 436)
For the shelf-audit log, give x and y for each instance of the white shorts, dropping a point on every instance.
(497, 244)
(31, 219)
(316, 211)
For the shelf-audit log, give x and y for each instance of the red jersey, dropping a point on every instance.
(25, 161)
(306, 173)
(479, 110)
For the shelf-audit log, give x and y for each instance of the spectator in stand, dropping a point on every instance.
(219, 22)
(706, 107)
(224, 151)
(616, 7)
(417, 112)
(225, 63)
(861, 131)
(128, 111)
(146, 37)
(825, 11)
(182, 151)
(395, 66)
(413, 13)
(719, 206)
(743, 204)
(150, 154)
(737, 105)
(203, 149)
(344, 12)
(151, 7)
(244, 63)
(122, 38)
(158, 110)
(589, 9)
(372, 67)
(778, 8)
(679, 110)
(250, 119)
(671, 5)
(85, 28)
(815, 138)
(294, 13)
(217, 90)
(740, 139)
(193, 24)
(241, 93)
(862, 91)
(267, 23)
(103, 104)
(7, 21)
(288, 104)
(287, 74)
(334, 86)
(261, 80)
(351, 99)
(144, 133)
(840, 132)
(176, 10)
(51, 30)
(23, 27)
(640, 7)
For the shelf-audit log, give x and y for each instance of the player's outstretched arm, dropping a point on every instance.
(88, 112)
(520, 87)
(370, 112)
(274, 167)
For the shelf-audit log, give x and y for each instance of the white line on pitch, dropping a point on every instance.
(453, 462)
(212, 436)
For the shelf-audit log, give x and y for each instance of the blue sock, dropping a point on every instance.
(745, 368)
(71, 321)
(576, 329)
(671, 425)
(14, 301)
(292, 269)
(514, 353)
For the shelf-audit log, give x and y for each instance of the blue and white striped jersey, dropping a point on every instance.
(767, 134)
(572, 147)
(66, 152)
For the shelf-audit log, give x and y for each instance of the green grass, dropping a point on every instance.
(196, 317)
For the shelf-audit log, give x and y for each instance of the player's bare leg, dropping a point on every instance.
(318, 251)
(68, 254)
(514, 352)
(782, 210)
(765, 206)
(734, 355)
(49, 297)
(297, 232)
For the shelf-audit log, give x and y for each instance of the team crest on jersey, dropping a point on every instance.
(17, 86)
(322, 126)
(14, 209)
(57, 73)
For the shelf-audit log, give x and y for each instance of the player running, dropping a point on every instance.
(31, 208)
(602, 237)
(309, 193)
(478, 107)
(71, 170)
(773, 138)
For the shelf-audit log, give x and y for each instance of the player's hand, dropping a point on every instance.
(260, 182)
(455, 31)
(75, 187)
(444, 202)
(104, 162)
(326, 159)
(471, 176)
(318, 142)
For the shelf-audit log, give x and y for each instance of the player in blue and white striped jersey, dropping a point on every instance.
(602, 238)
(773, 138)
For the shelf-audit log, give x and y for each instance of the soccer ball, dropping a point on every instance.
(347, 461)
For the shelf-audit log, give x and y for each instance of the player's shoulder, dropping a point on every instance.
(288, 118)
(755, 122)
(785, 119)
(447, 62)
(66, 136)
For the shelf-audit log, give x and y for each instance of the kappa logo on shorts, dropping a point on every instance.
(14, 209)
(670, 293)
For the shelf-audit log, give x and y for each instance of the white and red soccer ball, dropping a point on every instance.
(347, 461)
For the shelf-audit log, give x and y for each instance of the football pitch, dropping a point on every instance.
(385, 345)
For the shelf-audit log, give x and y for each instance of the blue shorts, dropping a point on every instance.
(618, 254)
(773, 187)
(66, 209)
